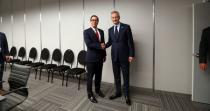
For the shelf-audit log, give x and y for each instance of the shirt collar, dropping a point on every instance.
(94, 29)
(118, 25)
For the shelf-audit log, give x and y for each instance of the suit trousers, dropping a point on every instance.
(1, 74)
(117, 68)
(94, 68)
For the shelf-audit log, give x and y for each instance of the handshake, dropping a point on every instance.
(8, 58)
(103, 46)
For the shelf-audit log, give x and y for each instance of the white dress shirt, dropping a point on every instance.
(96, 29)
(118, 27)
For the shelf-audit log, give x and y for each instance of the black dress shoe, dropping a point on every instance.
(92, 98)
(128, 101)
(100, 94)
(115, 96)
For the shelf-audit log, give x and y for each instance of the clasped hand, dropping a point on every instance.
(103, 46)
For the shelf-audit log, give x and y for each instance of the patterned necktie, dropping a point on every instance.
(116, 32)
(97, 35)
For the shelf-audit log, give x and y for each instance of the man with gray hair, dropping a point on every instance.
(121, 39)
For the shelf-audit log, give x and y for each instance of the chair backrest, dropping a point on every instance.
(13, 51)
(68, 57)
(45, 54)
(19, 76)
(81, 58)
(56, 56)
(22, 52)
(33, 53)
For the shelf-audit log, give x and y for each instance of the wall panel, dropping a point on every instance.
(138, 14)
(50, 24)
(72, 26)
(6, 25)
(33, 26)
(174, 45)
(18, 27)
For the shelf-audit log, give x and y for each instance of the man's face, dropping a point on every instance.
(94, 22)
(115, 18)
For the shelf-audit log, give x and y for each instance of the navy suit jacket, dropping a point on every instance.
(122, 46)
(94, 51)
(4, 47)
(204, 48)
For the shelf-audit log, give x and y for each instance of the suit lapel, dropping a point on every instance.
(102, 38)
(93, 34)
(121, 30)
(112, 33)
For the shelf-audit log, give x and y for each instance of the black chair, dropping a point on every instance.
(12, 53)
(67, 58)
(32, 55)
(56, 56)
(18, 92)
(78, 72)
(21, 54)
(45, 54)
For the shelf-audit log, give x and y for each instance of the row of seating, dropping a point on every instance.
(63, 68)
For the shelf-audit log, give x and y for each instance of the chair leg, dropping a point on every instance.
(48, 72)
(79, 82)
(40, 73)
(36, 72)
(63, 78)
(52, 73)
(67, 78)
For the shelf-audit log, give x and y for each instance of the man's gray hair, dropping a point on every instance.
(113, 12)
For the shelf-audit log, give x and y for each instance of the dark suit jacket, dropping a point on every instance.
(204, 48)
(94, 51)
(4, 47)
(123, 46)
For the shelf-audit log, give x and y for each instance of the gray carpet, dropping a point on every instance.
(44, 96)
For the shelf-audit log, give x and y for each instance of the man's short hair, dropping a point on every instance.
(115, 12)
(94, 16)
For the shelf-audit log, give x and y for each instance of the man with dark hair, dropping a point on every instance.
(95, 57)
(204, 49)
(121, 39)
(3, 55)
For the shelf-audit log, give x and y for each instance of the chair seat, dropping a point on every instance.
(24, 62)
(48, 66)
(61, 68)
(37, 64)
(76, 71)
(14, 60)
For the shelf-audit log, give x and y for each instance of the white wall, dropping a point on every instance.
(18, 27)
(138, 14)
(173, 34)
(6, 25)
(72, 26)
(50, 25)
(173, 45)
(33, 26)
